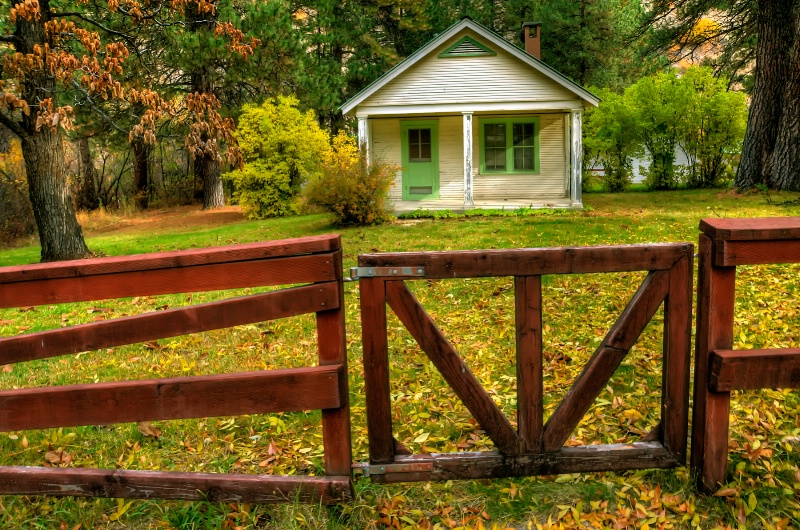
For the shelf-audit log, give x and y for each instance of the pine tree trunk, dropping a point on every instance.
(59, 232)
(786, 156)
(775, 33)
(141, 177)
(43, 150)
(88, 199)
(207, 170)
(206, 167)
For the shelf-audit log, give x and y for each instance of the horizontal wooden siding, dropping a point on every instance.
(497, 78)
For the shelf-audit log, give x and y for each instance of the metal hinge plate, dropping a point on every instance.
(384, 272)
(385, 469)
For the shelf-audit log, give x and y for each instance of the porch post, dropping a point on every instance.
(363, 136)
(576, 158)
(467, 160)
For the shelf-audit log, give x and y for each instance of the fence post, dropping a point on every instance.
(332, 345)
(715, 301)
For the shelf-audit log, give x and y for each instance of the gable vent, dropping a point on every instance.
(466, 47)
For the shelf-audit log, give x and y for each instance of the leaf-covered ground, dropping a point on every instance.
(477, 316)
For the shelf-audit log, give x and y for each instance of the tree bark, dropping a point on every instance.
(88, 191)
(206, 166)
(141, 175)
(786, 156)
(207, 170)
(775, 32)
(60, 234)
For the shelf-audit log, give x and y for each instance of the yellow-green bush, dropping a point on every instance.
(282, 149)
(355, 192)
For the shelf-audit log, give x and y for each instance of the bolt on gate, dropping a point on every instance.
(316, 261)
(537, 447)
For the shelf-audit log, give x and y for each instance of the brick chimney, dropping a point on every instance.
(532, 37)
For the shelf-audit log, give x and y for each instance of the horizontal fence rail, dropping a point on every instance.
(724, 245)
(536, 446)
(313, 260)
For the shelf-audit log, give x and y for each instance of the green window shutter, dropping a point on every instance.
(509, 145)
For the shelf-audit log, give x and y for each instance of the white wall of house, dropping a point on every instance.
(549, 183)
(644, 163)
(440, 81)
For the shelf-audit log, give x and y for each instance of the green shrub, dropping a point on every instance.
(282, 149)
(355, 192)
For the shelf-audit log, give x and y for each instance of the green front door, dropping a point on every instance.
(420, 152)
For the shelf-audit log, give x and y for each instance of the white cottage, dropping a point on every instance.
(475, 122)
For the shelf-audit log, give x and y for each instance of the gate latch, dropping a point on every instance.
(368, 469)
(384, 272)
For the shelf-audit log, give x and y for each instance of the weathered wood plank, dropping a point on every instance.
(452, 367)
(376, 370)
(170, 323)
(676, 359)
(215, 487)
(169, 260)
(753, 369)
(287, 390)
(715, 310)
(752, 228)
(606, 359)
(530, 387)
(533, 261)
(733, 253)
(491, 464)
(278, 271)
(331, 341)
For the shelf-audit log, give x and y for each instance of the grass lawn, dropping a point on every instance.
(477, 316)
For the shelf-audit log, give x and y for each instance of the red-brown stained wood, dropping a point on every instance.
(331, 341)
(131, 484)
(530, 389)
(287, 390)
(606, 359)
(676, 359)
(715, 310)
(732, 253)
(170, 323)
(533, 261)
(753, 369)
(301, 269)
(376, 370)
(491, 464)
(452, 367)
(169, 260)
(752, 228)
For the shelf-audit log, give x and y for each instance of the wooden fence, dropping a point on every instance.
(536, 447)
(316, 261)
(724, 245)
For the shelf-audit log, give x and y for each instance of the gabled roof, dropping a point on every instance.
(489, 35)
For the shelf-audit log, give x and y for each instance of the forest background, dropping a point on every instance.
(131, 103)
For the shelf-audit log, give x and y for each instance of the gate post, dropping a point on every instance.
(715, 300)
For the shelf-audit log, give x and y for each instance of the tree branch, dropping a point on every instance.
(97, 109)
(95, 23)
(12, 126)
(11, 39)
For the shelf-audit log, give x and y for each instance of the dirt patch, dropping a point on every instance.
(178, 217)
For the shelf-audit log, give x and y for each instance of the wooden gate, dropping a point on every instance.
(316, 261)
(535, 447)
